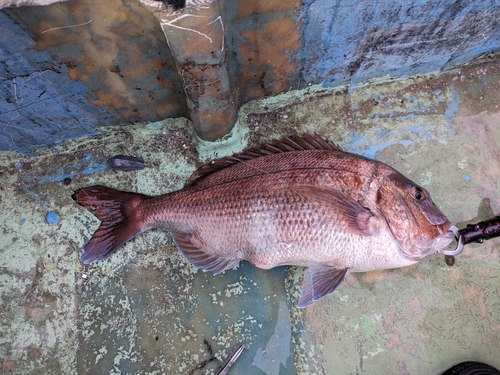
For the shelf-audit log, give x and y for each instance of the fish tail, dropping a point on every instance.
(121, 220)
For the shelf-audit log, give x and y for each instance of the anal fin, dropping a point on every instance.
(200, 258)
(320, 282)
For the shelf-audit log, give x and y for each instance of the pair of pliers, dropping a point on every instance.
(484, 230)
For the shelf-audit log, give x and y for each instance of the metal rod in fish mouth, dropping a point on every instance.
(484, 230)
(460, 244)
(231, 360)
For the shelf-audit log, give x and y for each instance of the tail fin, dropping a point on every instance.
(120, 222)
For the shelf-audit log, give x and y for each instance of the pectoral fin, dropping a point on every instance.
(199, 257)
(358, 219)
(320, 282)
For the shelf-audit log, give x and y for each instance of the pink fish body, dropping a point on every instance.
(300, 201)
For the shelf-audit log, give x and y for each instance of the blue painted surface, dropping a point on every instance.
(351, 42)
(62, 172)
(36, 86)
(37, 198)
(358, 145)
(57, 172)
(68, 83)
(452, 106)
(418, 107)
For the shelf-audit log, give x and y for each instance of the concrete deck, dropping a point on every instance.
(146, 311)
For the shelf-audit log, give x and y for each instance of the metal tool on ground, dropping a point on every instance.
(231, 360)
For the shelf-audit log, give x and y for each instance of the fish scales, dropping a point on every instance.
(301, 201)
(255, 218)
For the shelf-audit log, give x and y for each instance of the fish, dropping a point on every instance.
(301, 201)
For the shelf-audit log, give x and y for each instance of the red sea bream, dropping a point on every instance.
(299, 201)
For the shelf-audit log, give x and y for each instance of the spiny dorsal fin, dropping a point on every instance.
(293, 143)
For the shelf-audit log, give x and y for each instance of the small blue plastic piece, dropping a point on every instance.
(467, 178)
(23, 220)
(52, 218)
(19, 165)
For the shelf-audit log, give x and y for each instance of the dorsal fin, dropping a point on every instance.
(293, 143)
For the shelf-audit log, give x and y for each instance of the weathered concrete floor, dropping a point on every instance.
(145, 310)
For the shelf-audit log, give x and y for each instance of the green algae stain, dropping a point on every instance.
(368, 325)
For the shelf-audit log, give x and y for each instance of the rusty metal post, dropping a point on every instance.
(196, 40)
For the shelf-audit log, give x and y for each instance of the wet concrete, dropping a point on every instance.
(145, 309)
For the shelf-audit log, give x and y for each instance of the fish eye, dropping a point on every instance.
(417, 193)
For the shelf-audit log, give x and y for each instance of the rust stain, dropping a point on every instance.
(319, 323)
(433, 331)
(472, 149)
(267, 54)
(484, 272)
(455, 274)
(351, 279)
(419, 277)
(495, 327)
(213, 120)
(366, 107)
(124, 105)
(189, 46)
(316, 324)
(471, 82)
(138, 65)
(110, 55)
(415, 305)
(252, 7)
(493, 251)
(394, 341)
(412, 271)
(8, 366)
(374, 276)
(390, 319)
(168, 109)
(424, 336)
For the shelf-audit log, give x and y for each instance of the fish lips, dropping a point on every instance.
(444, 227)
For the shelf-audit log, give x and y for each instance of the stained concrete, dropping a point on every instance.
(69, 68)
(145, 310)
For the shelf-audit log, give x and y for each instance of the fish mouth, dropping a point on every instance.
(441, 239)
(431, 246)
(444, 227)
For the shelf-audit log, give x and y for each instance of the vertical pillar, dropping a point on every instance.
(196, 39)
